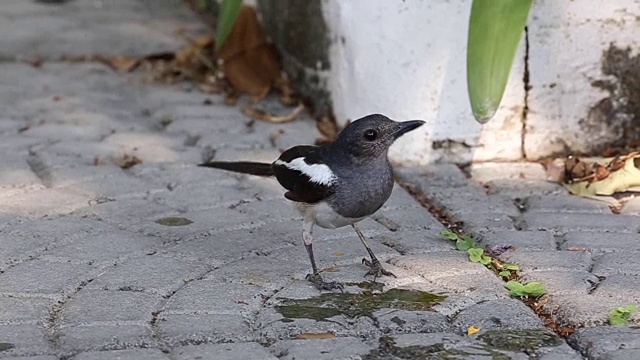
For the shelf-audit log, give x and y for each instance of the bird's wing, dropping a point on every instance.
(302, 171)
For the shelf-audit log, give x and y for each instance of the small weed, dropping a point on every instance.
(621, 315)
(476, 255)
(463, 243)
(531, 289)
(508, 272)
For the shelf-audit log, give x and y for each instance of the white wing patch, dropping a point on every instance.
(318, 173)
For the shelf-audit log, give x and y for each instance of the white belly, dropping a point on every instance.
(324, 216)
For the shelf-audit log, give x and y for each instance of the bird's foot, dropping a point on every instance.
(320, 284)
(375, 268)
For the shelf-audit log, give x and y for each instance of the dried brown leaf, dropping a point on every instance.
(262, 115)
(126, 161)
(249, 61)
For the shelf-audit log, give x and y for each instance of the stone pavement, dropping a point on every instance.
(164, 260)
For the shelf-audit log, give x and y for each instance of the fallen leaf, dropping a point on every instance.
(126, 161)
(120, 64)
(338, 253)
(312, 336)
(264, 116)
(472, 330)
(249, 61)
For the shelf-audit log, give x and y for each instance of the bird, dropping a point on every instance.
(336, 184)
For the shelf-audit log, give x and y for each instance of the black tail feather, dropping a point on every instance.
(245, 167)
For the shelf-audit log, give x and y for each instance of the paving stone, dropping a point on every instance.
(110, 307)
(484, 204)
(138, 354)
(587, 310)
(550, 260)
(565, 222)
(408, 218)
(272, 326)
(455, 303)
(264, 271)
(564, 282)
(149, 273)
(519, 240)
(621, 287)
(561, 352)
(565, 204)
(228, 246)
(601, 242)
(479, 222)
(491, 171)
(35, 357)
(104, 249)
(46, 202)
(616, 264)
(595, 343)
(632, 207)
(432, 175)
(395, 321)
(24, 340)
(497, 314)
(26, 239)
(523, 188)
(623, 354)
(414, 242)
(87, 28)
(76, 339)
(213, 297)
(239, 351)
(334, 252)
(14, 309)
(451, 271)
(179, 330)
(44, 278)
(336, 348)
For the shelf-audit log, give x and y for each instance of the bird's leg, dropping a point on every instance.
(375, 268)
(315, 277)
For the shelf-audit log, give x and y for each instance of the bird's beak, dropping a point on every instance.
(406, 126)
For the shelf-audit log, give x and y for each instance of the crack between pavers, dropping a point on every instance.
(156, 333)
(40, 168)
(52, 323)
(441, 215)
(527, 87)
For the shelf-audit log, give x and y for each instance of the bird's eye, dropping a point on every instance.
(370, 135)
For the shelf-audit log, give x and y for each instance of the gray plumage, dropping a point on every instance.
(337, 184)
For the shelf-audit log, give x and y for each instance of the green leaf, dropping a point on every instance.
(534, 289)
(504, 273)
(515, 288)
(449, 234)
(475, 254)
(512, 267)
(227, 15)
(495, 29)
(465, 243)
(618, 320)
(621, 315)
(485, 260)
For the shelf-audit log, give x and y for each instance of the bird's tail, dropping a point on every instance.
(245, 167)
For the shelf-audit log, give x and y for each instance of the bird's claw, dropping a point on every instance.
(320, 284)
(376, 269)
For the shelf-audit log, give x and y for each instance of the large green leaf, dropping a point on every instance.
(227, 15)
(495, 29)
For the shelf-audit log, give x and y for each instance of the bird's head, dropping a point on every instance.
(372, 135)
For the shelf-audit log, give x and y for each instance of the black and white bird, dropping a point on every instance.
(337, 184)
